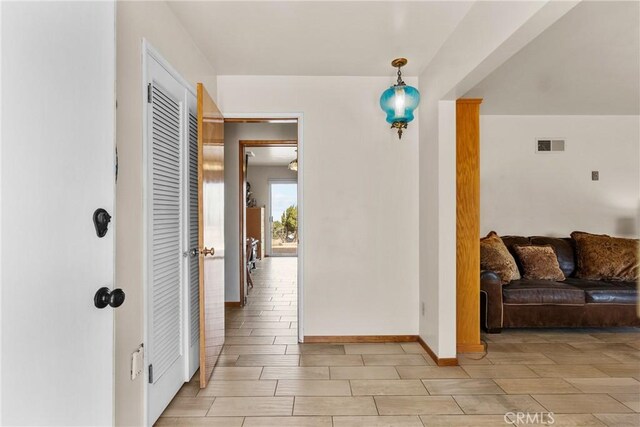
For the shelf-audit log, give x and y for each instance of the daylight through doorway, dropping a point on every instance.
(283, 218)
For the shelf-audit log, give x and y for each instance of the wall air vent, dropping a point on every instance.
(550, 145)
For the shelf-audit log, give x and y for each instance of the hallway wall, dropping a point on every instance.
(157, 23)
(360, 188)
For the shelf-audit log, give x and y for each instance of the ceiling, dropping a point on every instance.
(271, 156)
(318, 38)
(588, 62)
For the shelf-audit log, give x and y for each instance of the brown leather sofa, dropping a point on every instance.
(542, 303)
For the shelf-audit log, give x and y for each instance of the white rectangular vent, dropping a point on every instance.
(549, 145)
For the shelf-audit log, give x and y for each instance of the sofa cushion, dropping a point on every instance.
(494, 256)
(541, 292)
(601, 257)
(564, 249)
(511, 241)
(607, 292)
(539, 262)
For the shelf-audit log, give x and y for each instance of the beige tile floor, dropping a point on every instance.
(264, 378)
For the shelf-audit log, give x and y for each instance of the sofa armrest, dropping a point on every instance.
(491, 301)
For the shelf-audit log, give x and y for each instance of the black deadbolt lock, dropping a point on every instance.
(104, 297)
(101, 220)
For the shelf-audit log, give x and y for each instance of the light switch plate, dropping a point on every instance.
(137, 362)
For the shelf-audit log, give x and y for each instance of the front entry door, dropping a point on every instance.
(211, 236)
(58, 167)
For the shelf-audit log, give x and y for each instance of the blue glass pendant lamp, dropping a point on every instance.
(399, 101)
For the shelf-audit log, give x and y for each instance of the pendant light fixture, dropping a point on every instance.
(293, 164)
(399, 101)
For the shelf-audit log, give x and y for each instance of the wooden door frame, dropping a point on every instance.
(242, 179)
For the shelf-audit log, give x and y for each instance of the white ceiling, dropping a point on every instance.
(588, 62)
(318, 38)
(271, 156)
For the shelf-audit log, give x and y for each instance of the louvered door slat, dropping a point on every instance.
(166, 231)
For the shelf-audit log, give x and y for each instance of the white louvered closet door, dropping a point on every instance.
(166, 142)
(193, 277)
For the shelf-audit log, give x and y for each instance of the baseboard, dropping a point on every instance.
(232, 304)
(315, 339)
(470, 348)
(451, 361)
(359, 338)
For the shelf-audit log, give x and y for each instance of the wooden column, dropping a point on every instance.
(468, 225)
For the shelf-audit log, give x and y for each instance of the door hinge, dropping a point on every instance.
(149, 93)
(151, 374)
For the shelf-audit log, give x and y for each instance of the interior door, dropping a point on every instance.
(165, 147)
(211, 221)
(58, 167)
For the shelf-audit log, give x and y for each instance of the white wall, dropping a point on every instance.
(259, 177)
(489, 34)
(155, 22)
(234, 132)
(525, 193)
(360, 199)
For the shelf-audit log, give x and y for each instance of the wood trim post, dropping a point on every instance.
(468, 226)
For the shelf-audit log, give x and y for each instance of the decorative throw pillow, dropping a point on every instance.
(602, 257)
(494, 256)
(539, 262)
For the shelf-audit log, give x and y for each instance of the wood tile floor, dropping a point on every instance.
(264, 378)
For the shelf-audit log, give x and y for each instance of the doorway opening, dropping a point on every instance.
(261, 163)
(269, 236)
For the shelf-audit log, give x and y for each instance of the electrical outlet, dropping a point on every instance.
(137, 362)
(595, 176)
(422, 308)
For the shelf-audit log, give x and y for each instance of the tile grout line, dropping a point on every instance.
(539, 403)
(458, 404)
(621, 402)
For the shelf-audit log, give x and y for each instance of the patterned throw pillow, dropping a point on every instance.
(602, 257)
(539, 262)
(494, 256)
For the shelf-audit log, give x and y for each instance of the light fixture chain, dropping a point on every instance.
(400, 82)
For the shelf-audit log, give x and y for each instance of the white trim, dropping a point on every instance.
(146, 53)
(114, 258)
(300, 118)
(268, 232)
(148, 49)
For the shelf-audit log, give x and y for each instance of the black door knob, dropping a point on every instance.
(104, 297)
